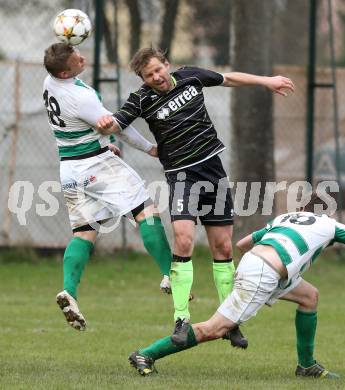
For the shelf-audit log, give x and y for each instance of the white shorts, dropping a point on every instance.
(100, 187)
(255, 284)
(283, 289)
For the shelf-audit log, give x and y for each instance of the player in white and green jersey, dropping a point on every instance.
(97, 185)
(270, 270)
(298, 238)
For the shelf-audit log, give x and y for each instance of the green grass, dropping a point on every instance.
(125, 310)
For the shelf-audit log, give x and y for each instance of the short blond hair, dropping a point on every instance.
(142, 57)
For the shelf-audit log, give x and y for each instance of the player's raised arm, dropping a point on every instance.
(107, 125)
(245, 244)
(278, 84)
(132, 137)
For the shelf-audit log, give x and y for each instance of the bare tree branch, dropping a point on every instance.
(135, 25)
(252, 117)
(109, 39)
(168, 24)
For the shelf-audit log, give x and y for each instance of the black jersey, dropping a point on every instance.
(178, 119)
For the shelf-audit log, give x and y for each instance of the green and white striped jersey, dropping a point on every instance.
(73, 109)
(299, 238)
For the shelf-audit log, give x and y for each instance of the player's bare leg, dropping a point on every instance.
(143, 359)
(213, 329)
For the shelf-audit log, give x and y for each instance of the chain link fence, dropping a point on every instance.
(32, 208)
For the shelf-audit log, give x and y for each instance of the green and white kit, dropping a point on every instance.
(101, 186)
(298, 239)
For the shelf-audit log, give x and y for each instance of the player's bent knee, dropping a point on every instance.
(184, 243)
(222, 248)
(226, 249)
(314, 298)
(310, 300)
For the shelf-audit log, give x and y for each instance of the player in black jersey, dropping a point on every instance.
(173, 106)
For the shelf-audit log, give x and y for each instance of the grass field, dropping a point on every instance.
(125, 310)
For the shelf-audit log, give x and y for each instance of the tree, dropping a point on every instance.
(220, 38)
(108, 16)
(252, 140)
(211, 26)
(135, 25)
(168, 24)
(291, 28)
(109, 35)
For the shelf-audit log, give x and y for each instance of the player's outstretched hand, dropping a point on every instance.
(280, 84)
(153, 151)
(105, 124)
(116, 150)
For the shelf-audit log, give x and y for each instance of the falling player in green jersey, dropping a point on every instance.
(271, 269)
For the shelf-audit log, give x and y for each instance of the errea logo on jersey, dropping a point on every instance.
(161, 114)
(179, 101)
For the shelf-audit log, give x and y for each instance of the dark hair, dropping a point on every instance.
(56, 57)
(315, 200)
(142, 57)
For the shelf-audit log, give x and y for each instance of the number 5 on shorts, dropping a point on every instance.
(179, 205)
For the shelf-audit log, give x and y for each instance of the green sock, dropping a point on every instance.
(305, 323)
(223, 275)
(156, 243)
(164, 347)
(181, 278)
(76, 256)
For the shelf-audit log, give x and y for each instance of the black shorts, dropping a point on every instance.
(203, 191)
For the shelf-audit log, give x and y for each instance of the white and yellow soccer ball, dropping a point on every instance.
(72, 26)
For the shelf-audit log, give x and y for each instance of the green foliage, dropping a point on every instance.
(125, 310)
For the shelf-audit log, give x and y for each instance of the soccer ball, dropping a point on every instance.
(72, 26)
